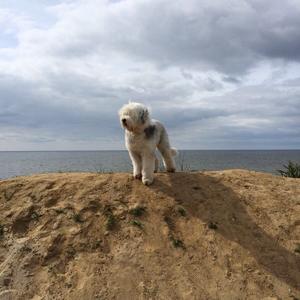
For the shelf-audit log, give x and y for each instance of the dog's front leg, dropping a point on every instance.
(148, 166)
(137, 164)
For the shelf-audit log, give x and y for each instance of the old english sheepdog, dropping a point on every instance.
(142, 136)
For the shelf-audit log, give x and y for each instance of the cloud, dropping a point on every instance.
(209, 35)
(218, 75)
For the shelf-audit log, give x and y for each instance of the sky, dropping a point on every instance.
(219, 74)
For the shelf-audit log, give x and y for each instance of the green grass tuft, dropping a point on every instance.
(212, 225)
(291, 170)
(177, 243)
(59, 210)
(137, 211)
(110, 218)
(34, 216)
(111, 222)
(137, 223)
(181, 211)
(1, 231)
(77, 218)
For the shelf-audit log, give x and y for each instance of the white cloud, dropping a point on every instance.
(215, 73)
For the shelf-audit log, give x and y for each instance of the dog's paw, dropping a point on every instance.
(137, 176)
(147, 181)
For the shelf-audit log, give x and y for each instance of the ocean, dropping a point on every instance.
(16, 163)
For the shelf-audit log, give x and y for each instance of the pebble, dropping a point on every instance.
(228, 274)
(55, 225)
(258, 272)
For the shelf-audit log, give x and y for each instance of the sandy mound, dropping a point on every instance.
(209, 235)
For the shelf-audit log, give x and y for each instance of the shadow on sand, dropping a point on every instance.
(206, 198)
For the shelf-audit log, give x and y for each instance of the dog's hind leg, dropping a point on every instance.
(167, 152)
(156, 164)
(168, 159)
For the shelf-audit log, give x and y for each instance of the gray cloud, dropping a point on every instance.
(208, 35)
(218, 76)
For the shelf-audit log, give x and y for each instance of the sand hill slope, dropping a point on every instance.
(207, 235)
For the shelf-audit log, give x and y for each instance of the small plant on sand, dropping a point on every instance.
(110, 218)
(97, 244)
(137, 211)
(59, 210)
(291, 170)
(137, 223)
(77, 218)
(170, 222)
(102, 170)
(181, 162)
(212, 225)
(34, 216)
(110, 222)
(181, 211)
(177, 243)
(1, 231)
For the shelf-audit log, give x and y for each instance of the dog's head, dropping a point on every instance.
(134, 117)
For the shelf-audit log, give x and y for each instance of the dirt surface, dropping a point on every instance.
(208, 235)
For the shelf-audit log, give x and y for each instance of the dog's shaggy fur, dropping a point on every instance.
(142, 136)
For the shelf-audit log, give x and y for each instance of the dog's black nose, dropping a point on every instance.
(124, 121)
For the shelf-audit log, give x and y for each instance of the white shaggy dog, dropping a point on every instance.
(142, 136)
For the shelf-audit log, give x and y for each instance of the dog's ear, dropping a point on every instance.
(144, 115)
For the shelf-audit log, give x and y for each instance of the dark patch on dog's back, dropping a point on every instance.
(149, 131)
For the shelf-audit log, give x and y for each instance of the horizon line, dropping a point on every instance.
(99, 150)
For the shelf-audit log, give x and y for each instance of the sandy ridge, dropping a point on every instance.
(205, 235)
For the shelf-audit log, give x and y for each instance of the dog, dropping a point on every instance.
(143, 136)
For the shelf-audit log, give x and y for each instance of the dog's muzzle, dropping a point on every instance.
(124, 122)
